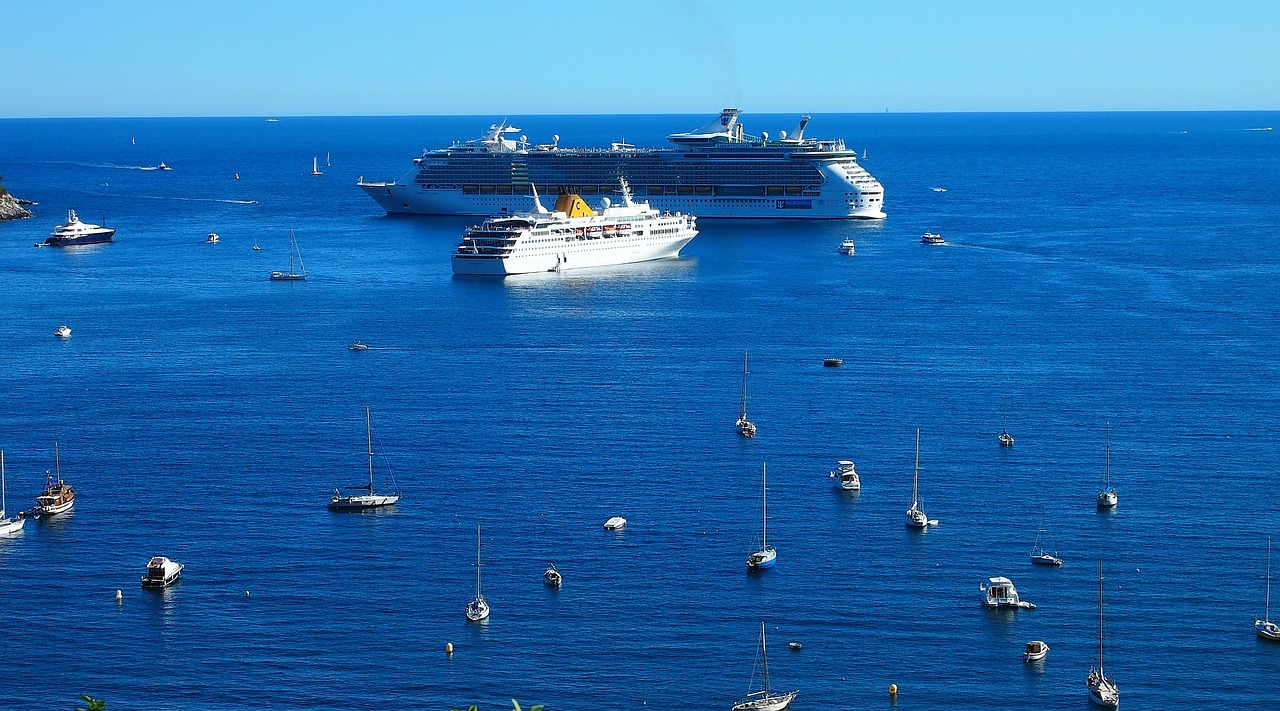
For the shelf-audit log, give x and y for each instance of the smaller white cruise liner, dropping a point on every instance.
(573, 236)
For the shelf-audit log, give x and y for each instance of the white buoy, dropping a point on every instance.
(119, 596)
(246, 593)
(448, 648)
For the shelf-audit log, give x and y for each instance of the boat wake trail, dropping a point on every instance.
(113, 166)
(191, 199)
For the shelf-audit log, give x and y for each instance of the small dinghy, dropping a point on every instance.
(1036, 651)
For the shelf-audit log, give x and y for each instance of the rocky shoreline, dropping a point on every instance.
(12, 208)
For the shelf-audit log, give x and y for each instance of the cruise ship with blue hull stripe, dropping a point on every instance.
(716, 171)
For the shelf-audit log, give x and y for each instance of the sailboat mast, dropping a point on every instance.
(477, 560)
(368, 434)
(915, 486)
(764, 649)
(4, 504)
(1266, 615)
(744, 385)
(1100, 672)
(1108, 481)
(764, 485)
(57, 464)
(291, 243)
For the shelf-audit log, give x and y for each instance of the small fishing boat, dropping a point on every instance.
(292, 275)
(213, 238)
(766, 556)
(764, 699)
(1036, 651)
(746, 427)
(615, 523)
(845, 474)
(369, 500)
(1102, 691)
(917, 518)
(62, 332)
(161, 572)
(1265, 628)
(931, 238)
(8, 526)
(1000, 592)
(1108, 497)
(478, 609)
(58, 496)
(552, 576)
(832, 362)
(846, 247)
(1006, 439)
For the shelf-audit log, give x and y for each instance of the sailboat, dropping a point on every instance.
(1108, 497)
(327, 164)
(1265, 628)
(764, 699)
(315, 165)
(292, 275)
(1040, 556)
(766, 556)
(1102, 691)
(746, 427)
(478, 609)
(915, 517)
(371, 499)
(7, 525)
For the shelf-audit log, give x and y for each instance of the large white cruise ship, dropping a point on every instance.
(573, 236)
(716, 171)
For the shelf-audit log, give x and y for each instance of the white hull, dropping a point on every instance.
(363, 502)
(401, 198)
(773, 702)
(608, 251)
(55, 508)
(10, 526)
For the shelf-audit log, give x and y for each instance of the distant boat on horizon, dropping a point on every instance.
(315, 165)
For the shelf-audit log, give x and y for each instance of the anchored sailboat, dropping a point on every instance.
(371, 499)
(1265, 628)
(766, 556)
(292, 275)
(315, 167)
(7, 525)
(764, 699)
(746, 427)
(1108, 497)
(915, 517)
(1102, 691)
(478, 609)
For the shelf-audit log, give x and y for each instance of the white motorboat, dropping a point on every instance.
(845, 474)
(301, 273)
(1102, 691)
(746, 427)
(1265, 628)
(1036, 651)
(369, 500)
(552, 576)
(614, 524)
(917, 518)
(62, 332)
(1006, 439)
(161, 572)
(847, 246)
(213, 238)
(931, 238)
(162, 166)
(1108, 497)
(358, 346)
(766, 556)
(764, 699)
(478, 609)
(1000, 592)
(75, 232)
(58, 496)
(8, 526)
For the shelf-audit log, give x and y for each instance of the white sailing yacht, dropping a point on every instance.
(327, 164)
(1040, 556)
(915, 517)
(746, 427)
(7, 525)
(363, 501)
(1265, 628)
(315, 165)
(292, 275)
(478, 609)
(1108, 497)
(1102, 691)
(766, 556)
(764, 699)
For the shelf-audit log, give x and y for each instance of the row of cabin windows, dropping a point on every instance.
(699, 190)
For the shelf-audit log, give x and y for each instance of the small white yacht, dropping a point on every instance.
(75, 232)
(62, 332)
(765, 699)
(292, 275)
(1102, 691)
(1036, 651)
(767, 556)
(552, 576)
(931, 238)
(1000, 592)
(370, 500)
(614, 524)
(213, 238)
(1006, 439)
(8, 526)
(847, 246)
(161, 572)
(478, 609)
(845, 474)
(917, 518)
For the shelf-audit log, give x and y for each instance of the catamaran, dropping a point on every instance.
(765, 699)
(766, 556)
(746, 427)
(363, 501)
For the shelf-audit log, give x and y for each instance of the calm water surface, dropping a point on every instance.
(1118, 268)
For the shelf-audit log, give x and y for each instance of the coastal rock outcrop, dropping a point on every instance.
(11, 208)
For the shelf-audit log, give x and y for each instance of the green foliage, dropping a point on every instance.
(514, 704)
(92, 704)
(3, 191)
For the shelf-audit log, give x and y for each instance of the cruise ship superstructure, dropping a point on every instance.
(717, 170)
(573, 236)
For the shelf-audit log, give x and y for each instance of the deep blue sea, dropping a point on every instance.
(1100, 268)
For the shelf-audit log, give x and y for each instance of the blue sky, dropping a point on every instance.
(398, 57)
